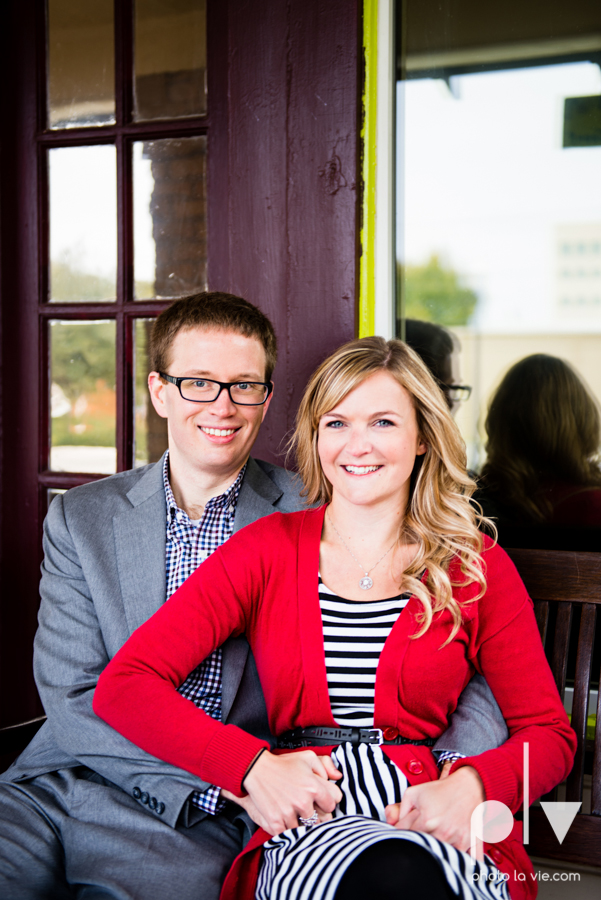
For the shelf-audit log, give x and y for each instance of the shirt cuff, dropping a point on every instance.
(443, 756)
(209, 801)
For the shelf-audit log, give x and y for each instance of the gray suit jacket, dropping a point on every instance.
(103, 575)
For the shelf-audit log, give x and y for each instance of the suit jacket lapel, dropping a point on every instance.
(140, 548)
(257, 497)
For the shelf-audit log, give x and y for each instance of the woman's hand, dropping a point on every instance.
(282, 788)
(441, 808)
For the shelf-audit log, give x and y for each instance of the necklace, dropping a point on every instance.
(366, 582)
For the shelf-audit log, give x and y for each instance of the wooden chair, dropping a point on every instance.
(566, 586)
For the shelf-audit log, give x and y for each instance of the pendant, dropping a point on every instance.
(366, 583)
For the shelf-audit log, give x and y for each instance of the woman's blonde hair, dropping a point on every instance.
(543, 426)
(439, 519)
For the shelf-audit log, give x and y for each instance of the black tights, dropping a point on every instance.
(391, 870)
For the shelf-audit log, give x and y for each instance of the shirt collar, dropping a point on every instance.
(226, 501)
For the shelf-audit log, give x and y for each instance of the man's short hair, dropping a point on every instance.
(211, 309)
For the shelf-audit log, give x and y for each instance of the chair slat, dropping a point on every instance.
(561, 644)
(559, 575)
(596, 785)
(541, 611)
(582, 679)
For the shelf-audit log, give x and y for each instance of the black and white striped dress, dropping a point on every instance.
(308, 863)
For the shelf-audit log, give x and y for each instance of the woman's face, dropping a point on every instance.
(368, 443)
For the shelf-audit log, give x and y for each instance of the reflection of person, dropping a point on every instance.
(391, 574)
(439, 349)
(83, 805)
(543, 447)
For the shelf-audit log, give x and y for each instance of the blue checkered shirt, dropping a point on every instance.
(189, 543)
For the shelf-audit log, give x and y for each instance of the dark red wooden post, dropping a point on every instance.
(292, 172)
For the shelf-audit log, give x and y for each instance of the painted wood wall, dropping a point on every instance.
(287, 237)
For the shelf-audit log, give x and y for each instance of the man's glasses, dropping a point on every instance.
(457, 392)
(205, 390)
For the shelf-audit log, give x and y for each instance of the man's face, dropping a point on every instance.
(214, 437)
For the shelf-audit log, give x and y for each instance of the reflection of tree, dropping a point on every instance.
(68, 284)
(83, 367)
(82, 354)
(436, 294)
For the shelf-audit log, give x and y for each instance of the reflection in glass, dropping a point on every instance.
(83, 224)
(81, 63)
(543, 441)
(499, 224)
(170, 217)
(82, 397)
(150, 430)
(170, 52)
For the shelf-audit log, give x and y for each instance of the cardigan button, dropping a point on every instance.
(415, 767)
(495, 855)
(390, 733)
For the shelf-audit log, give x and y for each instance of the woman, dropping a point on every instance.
(543, 446)
(389, 573)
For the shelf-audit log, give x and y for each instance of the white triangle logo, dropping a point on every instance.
(560, 816)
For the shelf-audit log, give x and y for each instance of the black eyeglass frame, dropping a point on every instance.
(223, 385)
(466, 388)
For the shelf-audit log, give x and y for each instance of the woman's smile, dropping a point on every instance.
(369, 442)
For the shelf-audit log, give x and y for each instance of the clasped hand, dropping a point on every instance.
(283, 788)
(441, 808)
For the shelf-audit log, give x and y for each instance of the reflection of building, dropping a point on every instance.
(578, 272)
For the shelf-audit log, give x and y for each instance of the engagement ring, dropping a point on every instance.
(312, 820)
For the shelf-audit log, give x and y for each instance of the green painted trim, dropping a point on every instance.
(367, 236)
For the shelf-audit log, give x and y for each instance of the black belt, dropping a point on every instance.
(324, 735)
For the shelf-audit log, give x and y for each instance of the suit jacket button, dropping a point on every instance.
(390, 733)
(137, 793)
(415, 767)
(152, 803)
(160, 808)
(144, 797)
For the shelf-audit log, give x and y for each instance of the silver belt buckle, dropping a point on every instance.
(376, 736)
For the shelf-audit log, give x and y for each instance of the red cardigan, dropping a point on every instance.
(263, 582)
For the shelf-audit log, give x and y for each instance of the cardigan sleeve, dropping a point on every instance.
(506, 648)
(137, 691)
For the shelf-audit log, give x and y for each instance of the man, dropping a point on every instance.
(439, 348)
(84, 813)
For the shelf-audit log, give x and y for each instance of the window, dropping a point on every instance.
(123, 156)
(498, 211)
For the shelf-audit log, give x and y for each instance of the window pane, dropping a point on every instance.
(83, 224)
(499, 240)
(81, 63)
(82, 397)
(150, 430)
(170, 59)
(170, 218)
(500, 224)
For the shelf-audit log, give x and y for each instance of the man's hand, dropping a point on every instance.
(441, 808)
(282, 788)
